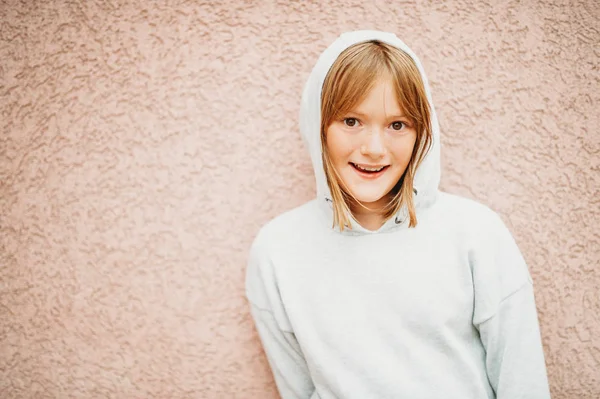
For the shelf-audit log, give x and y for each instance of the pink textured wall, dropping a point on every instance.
(143, 144)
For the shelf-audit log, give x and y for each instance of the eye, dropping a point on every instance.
(397, 125)
(350, 122)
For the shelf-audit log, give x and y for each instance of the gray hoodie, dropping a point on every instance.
(443, 310)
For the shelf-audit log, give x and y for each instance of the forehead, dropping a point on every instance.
(381, 95)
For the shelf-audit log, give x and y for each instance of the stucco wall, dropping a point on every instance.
(142, 145)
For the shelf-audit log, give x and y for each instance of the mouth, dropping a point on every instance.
(369, 171)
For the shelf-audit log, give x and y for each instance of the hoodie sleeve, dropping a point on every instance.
(514, 355)
(505, 315)
(279, 342)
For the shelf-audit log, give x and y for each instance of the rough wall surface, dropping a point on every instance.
(142, 145)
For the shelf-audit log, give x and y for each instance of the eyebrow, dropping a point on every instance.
(360, 114)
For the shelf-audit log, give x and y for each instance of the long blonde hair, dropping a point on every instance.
(351, 76)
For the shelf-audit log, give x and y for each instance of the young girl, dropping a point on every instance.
(383, 286)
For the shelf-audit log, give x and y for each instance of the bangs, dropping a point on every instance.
(352, 83)
(356, 71)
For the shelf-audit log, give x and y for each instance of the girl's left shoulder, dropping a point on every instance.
(495, 259)
(468, 214)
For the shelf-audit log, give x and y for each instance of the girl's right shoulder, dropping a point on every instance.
(276, 241)
(286, 228)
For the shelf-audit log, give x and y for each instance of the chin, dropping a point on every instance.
(368, 198)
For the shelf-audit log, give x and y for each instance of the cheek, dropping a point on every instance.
(338, 145)
(402, 150)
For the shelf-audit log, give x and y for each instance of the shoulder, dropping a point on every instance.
(282, 237)
(282, 231)
(469, 215)
(275, 238)
(465, 207)
(482, 231)
(497, 265)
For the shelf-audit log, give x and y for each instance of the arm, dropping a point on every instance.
(514, 353)
(285, 357)
(279, 342)
(505, 315)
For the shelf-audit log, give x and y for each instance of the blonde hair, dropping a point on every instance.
(351, 76)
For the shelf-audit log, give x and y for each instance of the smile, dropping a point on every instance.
(368, 170)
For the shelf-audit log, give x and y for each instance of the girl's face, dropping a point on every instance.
(371, 146)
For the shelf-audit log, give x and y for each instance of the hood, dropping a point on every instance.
(427, 177)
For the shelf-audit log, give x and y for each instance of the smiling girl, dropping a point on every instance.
(384, 286)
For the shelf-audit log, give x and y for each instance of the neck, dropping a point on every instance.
(371, 218)
(370, 221)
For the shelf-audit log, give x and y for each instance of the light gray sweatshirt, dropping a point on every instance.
(443, 310)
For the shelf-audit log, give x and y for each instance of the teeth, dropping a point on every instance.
(369, 169)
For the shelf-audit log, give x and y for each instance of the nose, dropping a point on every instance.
(373, 145)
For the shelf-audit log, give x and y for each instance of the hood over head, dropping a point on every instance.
(427, 177)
